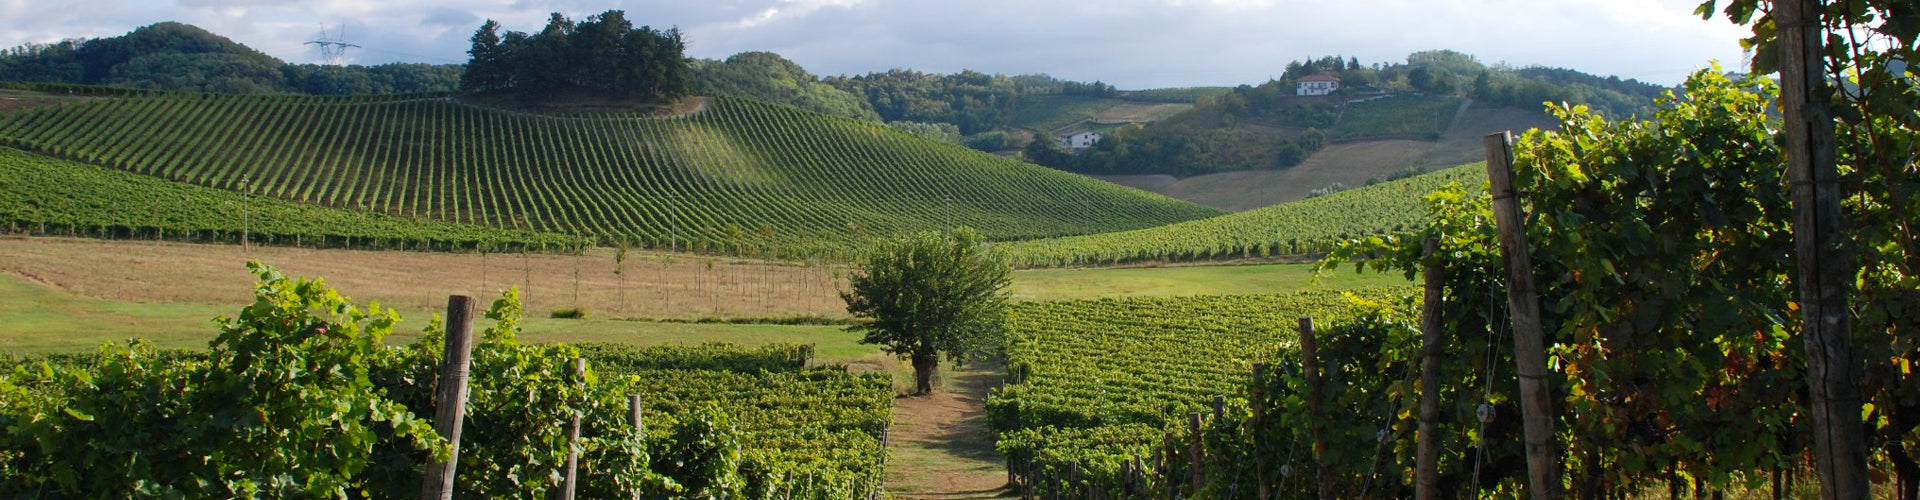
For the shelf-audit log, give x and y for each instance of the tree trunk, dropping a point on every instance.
(924, 367)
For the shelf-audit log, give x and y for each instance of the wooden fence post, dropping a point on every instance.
(1258, 401)
(1427, 469)
(450, 397)
(1529, 346)
(571, 482)
(1193, 426)
(1219, 408)
(1310, 363)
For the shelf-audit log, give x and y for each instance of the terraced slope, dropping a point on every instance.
(1307, 226)
(737, 176)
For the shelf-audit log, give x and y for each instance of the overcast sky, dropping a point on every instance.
(1133, 44)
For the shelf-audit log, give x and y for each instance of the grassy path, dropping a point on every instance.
(942, 449)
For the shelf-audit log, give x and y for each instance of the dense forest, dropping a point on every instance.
(181, 57)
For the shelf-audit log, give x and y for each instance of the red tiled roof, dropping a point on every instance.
(1319, 78)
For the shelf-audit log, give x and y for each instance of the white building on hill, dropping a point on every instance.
(1079, 140)
(1316, 85)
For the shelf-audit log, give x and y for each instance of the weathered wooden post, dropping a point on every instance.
(635, 417)
(1193, 426)
(1529, 345)
(1310, 363)
(450, 396)
(1219, 409)
(1258, 401)
(1427, 469)
(1824, 263)
(1166, 462)
(571, 482)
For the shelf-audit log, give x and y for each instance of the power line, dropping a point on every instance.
(333, 49)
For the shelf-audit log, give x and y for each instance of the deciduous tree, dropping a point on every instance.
(926, 295)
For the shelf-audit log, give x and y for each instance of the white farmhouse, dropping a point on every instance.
(1321, 84)
(1079, 140)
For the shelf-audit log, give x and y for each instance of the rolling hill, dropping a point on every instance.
(1346, 163)
(734, 176)
(1307, 226)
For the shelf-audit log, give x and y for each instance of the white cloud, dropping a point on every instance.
(1131, 43)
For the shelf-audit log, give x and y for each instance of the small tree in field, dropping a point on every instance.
(927, 295)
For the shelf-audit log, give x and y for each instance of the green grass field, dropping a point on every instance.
(42, 319)
(1399, 115)
(736, 176)
(1046, 113)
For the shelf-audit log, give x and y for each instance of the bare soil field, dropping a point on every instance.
(21, 100)
(650, 286)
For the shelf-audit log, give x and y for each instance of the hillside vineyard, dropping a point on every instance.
(736, 176)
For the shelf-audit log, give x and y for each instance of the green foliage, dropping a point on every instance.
(41, 195)
(299, 398)
(603, 54)
(284, 405)
(625, 358)
(1105, 378)
(812, 433)
(1664, 292)
(1308, 226)
(736, 178)
(990, 142)
(766, 76)
(929, 294)
(1869, 51)
(974, 101)
(569, 313)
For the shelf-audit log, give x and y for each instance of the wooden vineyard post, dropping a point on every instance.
(1258, 401)
(572, 480)
(638, 420)
(450, 397)
(1529, 346)
(1427, 470)
(1310, 363)
(635, 417)
(1824, 263)
(1166, 461)
(1193, 426)
(1219, 408)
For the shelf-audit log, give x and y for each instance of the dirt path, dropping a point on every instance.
(941, 446)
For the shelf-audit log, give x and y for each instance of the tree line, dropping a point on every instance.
(604, 53)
